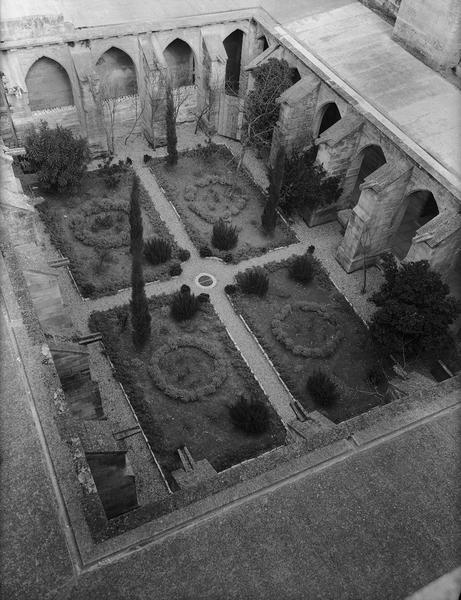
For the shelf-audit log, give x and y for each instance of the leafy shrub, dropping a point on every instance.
(376, 375)
(58, 158)
(228, 258)
(311, 249)
(306, 184)
(157, 250)
(415, 310)
(205, 252)
(184, 306)
(88, 289)
(183, 254)
(230, 289)
(302, 268)
(322, 389)
(185, 289)
(251, 416)
(147, 158)
(224, 236)
(253, 281)
(175, 269)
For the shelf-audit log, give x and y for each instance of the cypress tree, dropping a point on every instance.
(140, 316)
(269, 216)
(135, 217)
(171, 138)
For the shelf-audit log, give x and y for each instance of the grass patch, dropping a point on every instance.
(91, 228)
(162, 387)
(199, 188)
(305, 327)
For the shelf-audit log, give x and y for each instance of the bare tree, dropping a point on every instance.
(107, 97)
(206, 114)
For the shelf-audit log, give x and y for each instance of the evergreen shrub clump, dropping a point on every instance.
(322, 389)
(157, 250)
(250, 415)
(184, 305)
(224, 236)
(302, 268)
(253, 281)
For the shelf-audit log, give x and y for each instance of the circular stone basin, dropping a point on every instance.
(205, 280)
(307, 329)
(187, 369)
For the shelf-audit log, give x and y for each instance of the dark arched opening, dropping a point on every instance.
(233, 46)
(421, 208)
(179, 58)
(331, 115)
(262, 44)
(368, 160)
(295, 75)
(117, 74)
(48, 85)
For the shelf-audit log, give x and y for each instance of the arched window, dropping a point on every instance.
(295, 75)
(117, 74)
(48, 85)
(368, 160)
(421, 208)
(329, 116)
(179, 58)
(262, 44)
(233, 46)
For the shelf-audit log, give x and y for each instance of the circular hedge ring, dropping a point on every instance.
(215, 379)
(327, 348)
(229, 208)
(81, 226)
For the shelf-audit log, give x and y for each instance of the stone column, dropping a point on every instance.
(214, 76)
(336, 145)
(370, 227)
(293, 130)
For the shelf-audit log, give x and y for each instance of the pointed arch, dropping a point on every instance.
(327, 115)
(48, 85)
(180, 61)
(233, 47)
(117, 73)
(420, 208)
(369, 159)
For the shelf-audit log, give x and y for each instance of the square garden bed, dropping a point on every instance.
(199, 187)
(306, 327)
(182, 383)
(91, 228)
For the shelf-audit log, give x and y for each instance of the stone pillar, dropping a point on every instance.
(336, 145)
(430, 30)
(297, 110)
(370, 227)
(437, 241)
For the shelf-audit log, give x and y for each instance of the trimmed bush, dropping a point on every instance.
(183, 254)
(175, 269)
(230, 289)
(302, 268)
(205, 252)
(228, 258)
(147, 158)
(251, 416)
(253, 281)
(322, 389)
(184, 306)
(224, 236)
(157, 250)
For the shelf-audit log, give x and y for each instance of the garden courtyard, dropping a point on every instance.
(220, 375)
